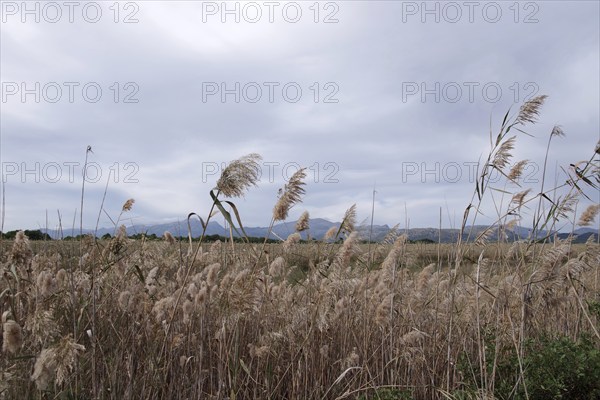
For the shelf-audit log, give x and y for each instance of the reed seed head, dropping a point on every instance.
(303, 222)
(12, 337)
(519, 198)
(330, 233)
(128, 205)
(290, 195)
(291, 240)
(169, 237)
(517, 170)
(557, 131)
(530, 110)
(44, 368)
(349, 221)
(239, 175)
(589, 215)
(503, 155)
(21, 252)
(277, 267)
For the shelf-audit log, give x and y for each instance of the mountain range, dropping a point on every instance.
(318, 228)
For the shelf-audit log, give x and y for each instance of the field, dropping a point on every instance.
(335, 318)
(293, 329)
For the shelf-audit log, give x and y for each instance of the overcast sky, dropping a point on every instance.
(386, 95)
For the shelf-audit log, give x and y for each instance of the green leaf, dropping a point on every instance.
(223, 211)
(237, 216)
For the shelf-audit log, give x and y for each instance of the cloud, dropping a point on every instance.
(377, 99)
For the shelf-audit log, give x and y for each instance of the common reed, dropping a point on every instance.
(134, 319)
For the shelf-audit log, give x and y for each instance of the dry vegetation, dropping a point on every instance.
(134, 319)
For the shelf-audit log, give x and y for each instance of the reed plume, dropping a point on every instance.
(128, 205)
(239, 175)
(530, 110)
(289, 195)
(12, 337)
(589, 215)
(303, 222)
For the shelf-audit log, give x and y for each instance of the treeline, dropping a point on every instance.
(32, 235)
(39, 235)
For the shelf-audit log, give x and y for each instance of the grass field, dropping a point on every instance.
(138, 319)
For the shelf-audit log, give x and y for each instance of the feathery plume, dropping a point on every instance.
(188, 310)
(503, 154)
(12, 337)
(517, 170)
(192, 289)
(201, 296)
(128, 205)
(348, 249)
(291, 239)
(258, 351)
(384, 310)
(57, 361)
(519, 198)
(277, 267)
(169, 237)
(389, 264)
(557, 131)
(124, 300)
(44, 368)
(530, 110)
(349, 221)
(566, 205)
(412, 338)
(330, 233)
(351, 360)
(589, 215)
(239, 175)
(303, 222)
(290, 195)
(61, 277)
(46, 283)
(21, 251)
(66, 352)
(211, 276)
(483, 237)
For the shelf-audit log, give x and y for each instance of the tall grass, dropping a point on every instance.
(135, 319)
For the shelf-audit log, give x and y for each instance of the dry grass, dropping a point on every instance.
(133, 319)
(338, 332)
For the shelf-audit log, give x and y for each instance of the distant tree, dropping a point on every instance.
(424, 240)
(10, 235)
(32, 235)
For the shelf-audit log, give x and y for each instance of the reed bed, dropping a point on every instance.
(183, 319)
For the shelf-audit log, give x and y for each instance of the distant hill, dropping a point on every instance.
(319, 226)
